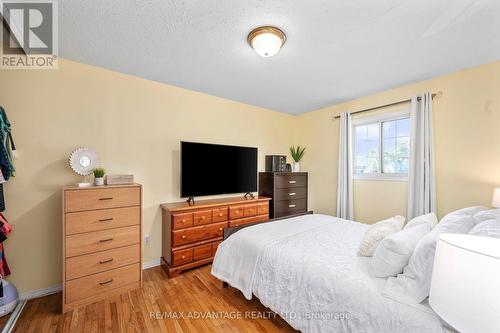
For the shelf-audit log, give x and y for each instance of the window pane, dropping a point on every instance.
(403, 128)
(396, 146)
(373, 133)
(402, 153)
(367, 148)
(389, 128)
(389, 150)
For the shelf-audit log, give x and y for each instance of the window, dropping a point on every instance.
(382, 146)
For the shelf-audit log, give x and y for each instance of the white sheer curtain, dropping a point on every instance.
(345, 190)
(421, 174)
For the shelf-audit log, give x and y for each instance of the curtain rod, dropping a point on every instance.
(437, 95)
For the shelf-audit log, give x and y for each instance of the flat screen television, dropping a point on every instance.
(210, 169)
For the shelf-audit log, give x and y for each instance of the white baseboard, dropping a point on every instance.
(151, 264)
(57, 288)
(40, 292)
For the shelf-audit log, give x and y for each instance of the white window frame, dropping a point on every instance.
(402, 177)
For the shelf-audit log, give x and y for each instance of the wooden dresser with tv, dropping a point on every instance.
(288, 191)
(192, 232)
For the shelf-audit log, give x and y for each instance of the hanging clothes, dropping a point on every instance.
(7, 145)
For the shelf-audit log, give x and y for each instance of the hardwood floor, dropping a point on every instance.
(136, 311)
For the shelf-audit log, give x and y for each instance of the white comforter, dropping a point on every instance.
(306, 269)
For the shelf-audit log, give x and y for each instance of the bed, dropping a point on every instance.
(306, 269)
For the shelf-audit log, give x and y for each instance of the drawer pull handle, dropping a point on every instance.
(263, 208)
(293, 193)
(183, 257)
(203, 217)
(251, 210)
(220, 229)
(105, 240)
(106, 282)
(183, 220)
(106, 261)
(106, 220)
(220, 214)
(109, 198)
(183, 236)
(292, 181)
(237, 212)
(291, 206)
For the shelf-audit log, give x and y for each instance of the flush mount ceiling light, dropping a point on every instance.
(266, 41)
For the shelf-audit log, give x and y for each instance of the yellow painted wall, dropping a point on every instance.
(467, 144)
(135, 126)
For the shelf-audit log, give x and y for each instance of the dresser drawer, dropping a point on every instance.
(263, 208)
(291, 193)
(95, 284)
(250, 210)
(202, 217)
(235, 212)
(284, 206)
(186, 236)
(101, 240)
(80, 200)
(102, 219)
(181, 221)
(182, 257)
(246, 220)
(214, 248)
(202, 252)
(219, 214)
(290, 181)
(88, 264)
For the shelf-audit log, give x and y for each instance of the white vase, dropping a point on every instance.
(99, 181)
(296, 167)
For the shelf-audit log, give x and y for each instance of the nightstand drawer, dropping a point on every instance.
(96, 220)
(101, 240)
(89, 264)
(250, 210)
(89, 199)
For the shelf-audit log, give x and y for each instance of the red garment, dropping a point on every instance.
(6, 227)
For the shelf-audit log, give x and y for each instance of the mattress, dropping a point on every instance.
(306, 270)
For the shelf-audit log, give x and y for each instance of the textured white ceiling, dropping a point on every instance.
(336, 50)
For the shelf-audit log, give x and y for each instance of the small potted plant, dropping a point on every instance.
(297, 154)
(98, 176)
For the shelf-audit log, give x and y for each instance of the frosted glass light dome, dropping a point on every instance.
(266, 41)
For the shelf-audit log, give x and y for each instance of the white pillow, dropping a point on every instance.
(490, 214)
(377, 232)
(458, 214)
(394, 251)
(488, 228)
(429, 219)
(413, 286)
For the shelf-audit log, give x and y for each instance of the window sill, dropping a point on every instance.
(379, 177)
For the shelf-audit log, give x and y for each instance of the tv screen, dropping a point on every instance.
(209, 169)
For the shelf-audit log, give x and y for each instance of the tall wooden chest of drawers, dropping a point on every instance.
(102, 252)
(288, 191)
(192, 232)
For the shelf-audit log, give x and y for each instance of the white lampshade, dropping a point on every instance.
(266, 41)
(465, 288)
(495, 202)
